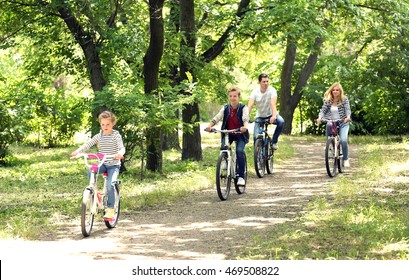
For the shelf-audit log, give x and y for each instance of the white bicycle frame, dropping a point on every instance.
(94, 168)
(231, 161)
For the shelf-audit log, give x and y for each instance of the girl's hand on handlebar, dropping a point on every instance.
(73, 154)
(319, 121)
(347, 120)
(243, 129)
(119, 156)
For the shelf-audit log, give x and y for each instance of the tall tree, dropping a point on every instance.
(191, 146)
(192, 139)
(152, 60)
(290, 99)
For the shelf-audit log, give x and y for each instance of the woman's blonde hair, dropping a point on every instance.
(328, 94)
(107, 115)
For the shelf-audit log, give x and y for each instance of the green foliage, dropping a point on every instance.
(57, 116)
(45, 111)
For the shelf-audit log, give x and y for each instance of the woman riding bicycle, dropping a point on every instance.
(235, 115)
(109, 141)
(336, 107)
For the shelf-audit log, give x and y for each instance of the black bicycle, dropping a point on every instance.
(227, 167)
(334, 159)
(263, 151)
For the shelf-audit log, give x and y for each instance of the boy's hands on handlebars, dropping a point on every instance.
(208, 129)
(243, 129)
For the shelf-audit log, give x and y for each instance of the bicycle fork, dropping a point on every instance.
(98, 197)
(229, 163)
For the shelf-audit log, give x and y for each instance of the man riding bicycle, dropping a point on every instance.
(265, 98)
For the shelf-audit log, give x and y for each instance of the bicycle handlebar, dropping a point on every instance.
(100, 157)
(214, 130)
(337, 120)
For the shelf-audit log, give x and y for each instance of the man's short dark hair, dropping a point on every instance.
(262, 76)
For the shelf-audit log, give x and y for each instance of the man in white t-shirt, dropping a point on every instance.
(265, 98)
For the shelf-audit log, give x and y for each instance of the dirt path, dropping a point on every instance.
(199, 226)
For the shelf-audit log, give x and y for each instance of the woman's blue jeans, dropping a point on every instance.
(343, 137)
(279, 122)
(240, 144)
(113, 173)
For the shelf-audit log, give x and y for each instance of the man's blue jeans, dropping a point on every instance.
(343, 137)
(279, 122)
(113, 173)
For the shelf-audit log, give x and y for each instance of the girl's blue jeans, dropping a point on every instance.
(343, 137)
(279, 122)
(113, 173)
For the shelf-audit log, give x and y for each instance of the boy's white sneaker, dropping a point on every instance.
(346, 163)
(241, 182)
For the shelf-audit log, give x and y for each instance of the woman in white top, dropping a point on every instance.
(336, 107)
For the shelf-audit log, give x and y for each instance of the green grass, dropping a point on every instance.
(42, 188)
(363, 217)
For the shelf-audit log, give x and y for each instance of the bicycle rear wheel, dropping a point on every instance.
(340, 159)
(330, 158)
(112, 223)
(87, 216)
(259, 160)
(270, 158)
(223, 180)
(240, 189)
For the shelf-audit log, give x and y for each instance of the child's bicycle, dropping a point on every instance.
(333, 150)
(94, 200)
(227, 167)
(263, 150)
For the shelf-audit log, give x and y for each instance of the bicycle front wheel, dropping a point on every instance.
(112, 223)
(330, 158)
(87, 215)
(270, 158)
(340, 159)
(223, 179)
(240, 189)
(259, 160)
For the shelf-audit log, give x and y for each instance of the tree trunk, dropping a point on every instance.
(192, 143)
(289, 100)
(94, 66)
(170, 140)
(152, 60)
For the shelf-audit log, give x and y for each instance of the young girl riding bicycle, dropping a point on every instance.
(235, 115)
(108, 141)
